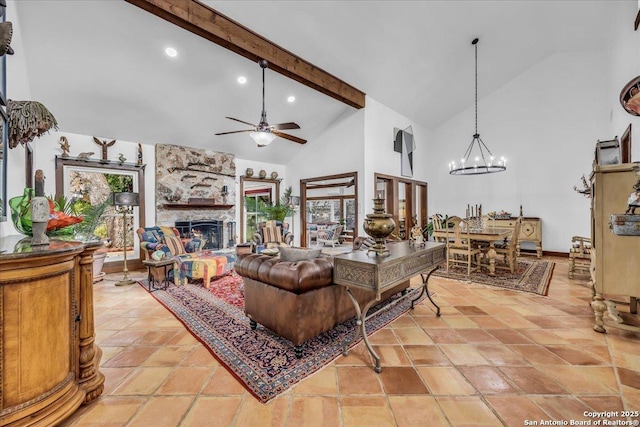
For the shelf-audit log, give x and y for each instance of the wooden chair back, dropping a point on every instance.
(458, 235)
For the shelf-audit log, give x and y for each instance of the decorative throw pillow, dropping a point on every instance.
(150, 236)
(158, 255)
(193, 245)
(272, 234)
(298, 254)
(174, 244)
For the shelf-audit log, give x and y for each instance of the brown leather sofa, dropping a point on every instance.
(297, 300)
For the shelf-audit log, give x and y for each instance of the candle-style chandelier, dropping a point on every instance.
(482, 161)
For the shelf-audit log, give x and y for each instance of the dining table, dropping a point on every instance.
(485, 234)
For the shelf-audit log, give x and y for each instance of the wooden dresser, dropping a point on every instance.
(48, 360)
(616, 274)
(530, 231)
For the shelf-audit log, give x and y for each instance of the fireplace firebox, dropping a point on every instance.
(209, 230)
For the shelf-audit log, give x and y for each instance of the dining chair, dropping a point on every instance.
(508, 248)
(438, 225)
(460, 248)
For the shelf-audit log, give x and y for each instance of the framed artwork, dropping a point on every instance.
(608, 152)
(625, 145)
(404, 144)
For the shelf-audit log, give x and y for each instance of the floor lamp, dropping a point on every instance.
(126, 202)
(294, 202)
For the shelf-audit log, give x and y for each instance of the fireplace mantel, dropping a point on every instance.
(195, 206)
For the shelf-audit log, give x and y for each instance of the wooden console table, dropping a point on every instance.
(376, 274)
(48, 357)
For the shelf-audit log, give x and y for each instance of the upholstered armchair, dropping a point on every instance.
(190, 260)
(330, 235)
(273, 233)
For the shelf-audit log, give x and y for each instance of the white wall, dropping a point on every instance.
(623, 65)
(380, 156)
(546, 122)
(339, 149)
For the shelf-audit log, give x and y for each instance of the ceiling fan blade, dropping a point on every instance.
(235, 131)
(285, 126)
(242, 121)
(289, 137)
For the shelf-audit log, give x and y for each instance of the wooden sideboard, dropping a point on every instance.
(530, 231)
(617, 270)
(49, 360)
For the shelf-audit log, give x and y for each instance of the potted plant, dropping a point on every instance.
(281, 208)
(87, 230)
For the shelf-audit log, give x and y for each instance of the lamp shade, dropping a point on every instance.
(126, 199)
(262, 138)
(294, 200)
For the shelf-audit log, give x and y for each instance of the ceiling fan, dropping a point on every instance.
(263, 133)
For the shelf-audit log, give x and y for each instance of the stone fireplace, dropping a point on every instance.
(211, 231)
(196, 193)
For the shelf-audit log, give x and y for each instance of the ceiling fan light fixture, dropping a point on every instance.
(171, 52)
(262, 138)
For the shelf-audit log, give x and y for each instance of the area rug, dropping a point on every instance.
(262, 361)
(530, 276)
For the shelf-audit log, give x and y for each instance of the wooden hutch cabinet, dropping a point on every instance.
(616, 273)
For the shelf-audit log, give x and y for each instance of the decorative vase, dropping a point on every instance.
(263, 173)
(274, 175)
(379, 226)
(59, 224)
(249, 172)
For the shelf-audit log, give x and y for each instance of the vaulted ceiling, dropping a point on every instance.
(100, 66)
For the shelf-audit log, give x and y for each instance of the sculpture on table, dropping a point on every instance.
(379, 226)
(39, 212)
(416, 238)
(105, 145)
(64, 145)
(634, 199)
(139, 154)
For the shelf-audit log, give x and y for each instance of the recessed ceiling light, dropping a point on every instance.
(242, 80)
(291, 98)
(171, 52)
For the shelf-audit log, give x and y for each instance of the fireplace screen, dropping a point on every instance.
(209, 230)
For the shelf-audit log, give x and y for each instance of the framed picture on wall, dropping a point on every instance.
(608, 152)
(625, 145)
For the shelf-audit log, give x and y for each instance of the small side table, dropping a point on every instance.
(166, 264)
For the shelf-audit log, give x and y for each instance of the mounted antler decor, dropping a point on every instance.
(28, 120)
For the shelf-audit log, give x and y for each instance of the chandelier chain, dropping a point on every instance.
(476, 46)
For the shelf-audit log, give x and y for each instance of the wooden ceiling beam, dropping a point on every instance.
(206, 22)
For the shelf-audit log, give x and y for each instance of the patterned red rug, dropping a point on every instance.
(262, 361)
(531, 276)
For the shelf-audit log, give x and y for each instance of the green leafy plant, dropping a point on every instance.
(281, 209)
(91, 216)
(428, 229)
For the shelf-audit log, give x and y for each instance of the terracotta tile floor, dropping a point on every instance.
(494, 358)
